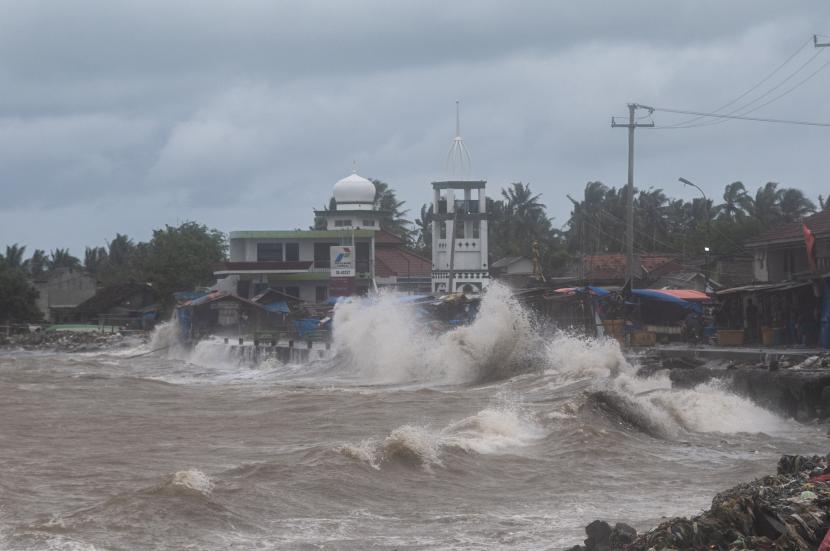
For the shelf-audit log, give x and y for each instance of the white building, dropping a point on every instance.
(459, 225)
(297, 262)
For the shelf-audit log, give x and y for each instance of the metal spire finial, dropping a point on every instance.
(458, 159)
(354, 166)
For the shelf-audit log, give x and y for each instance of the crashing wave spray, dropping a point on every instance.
(651, 403)
(386, 342)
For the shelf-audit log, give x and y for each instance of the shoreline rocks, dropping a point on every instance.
(786, 511)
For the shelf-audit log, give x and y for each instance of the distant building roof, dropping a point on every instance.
(219, 295)
(113, 295)
(385, 237)
(401, 263)
(818, 223)
(271, 295)
(300, 234)
(611, 266)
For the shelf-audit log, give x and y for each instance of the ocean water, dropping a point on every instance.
(500, 435)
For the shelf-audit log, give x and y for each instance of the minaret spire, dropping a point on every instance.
(458, 159)
(457, 119)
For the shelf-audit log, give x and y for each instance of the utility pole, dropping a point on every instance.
(629, 234)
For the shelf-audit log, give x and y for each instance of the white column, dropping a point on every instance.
(482, 229)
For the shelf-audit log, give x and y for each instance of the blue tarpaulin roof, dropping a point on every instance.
(304, 326)
(280, 306)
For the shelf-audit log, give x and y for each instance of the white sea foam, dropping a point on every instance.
(496, 430)
(192, 479)
(386, 343)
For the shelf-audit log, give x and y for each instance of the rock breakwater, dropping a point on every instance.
(786, 511)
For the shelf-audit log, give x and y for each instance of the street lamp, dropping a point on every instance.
(686, 182)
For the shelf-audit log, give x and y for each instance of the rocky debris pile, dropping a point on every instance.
(786, 512)
(67, 341)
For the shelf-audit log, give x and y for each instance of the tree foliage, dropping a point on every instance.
(393, 218)
(181, 258)
(665, 224)
(18, 298)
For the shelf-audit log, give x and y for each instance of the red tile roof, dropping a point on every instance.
(385, 237)
(400, 262)
(611, 266)
(818, 223)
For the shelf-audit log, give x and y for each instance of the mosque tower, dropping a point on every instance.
(459, 224)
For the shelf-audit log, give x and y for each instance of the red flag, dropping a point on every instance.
(810, 241)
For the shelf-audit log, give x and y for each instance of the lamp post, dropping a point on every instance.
(686, 182)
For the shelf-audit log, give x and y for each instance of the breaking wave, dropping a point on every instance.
(652, 406)
(387, 343)
(188, 482)
(498, 430)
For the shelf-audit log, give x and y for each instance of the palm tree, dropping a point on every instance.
(424, 230)
(95, 258)
(794, 205)
(60, 258)
(37, 264)
(14, 256)
(736, 203)
(522, 202)
(651, 214)
(394, 217)
(767, 205)
(120, 252)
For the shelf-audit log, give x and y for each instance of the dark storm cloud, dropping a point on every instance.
(132, 115)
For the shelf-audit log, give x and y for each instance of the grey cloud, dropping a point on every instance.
(244, 115)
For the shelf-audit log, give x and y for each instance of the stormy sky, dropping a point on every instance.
(125, 116)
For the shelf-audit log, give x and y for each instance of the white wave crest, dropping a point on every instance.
(386, 342)
(194, 480)
(495, 430)
(708, 407)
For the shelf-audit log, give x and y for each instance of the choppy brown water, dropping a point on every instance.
(196, 452)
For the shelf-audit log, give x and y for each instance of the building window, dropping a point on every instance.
(321, 294)
(342, 223)
(321, 255)
(292, 252)
(293, 291)
(368, 222)
(268, 252)
(459, 230)
(442, 230)
(476, 229)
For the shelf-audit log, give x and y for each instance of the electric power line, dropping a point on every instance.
(737, 117)
(756, 108)
(756, 86)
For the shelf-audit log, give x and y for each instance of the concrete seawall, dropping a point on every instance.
(803, 394)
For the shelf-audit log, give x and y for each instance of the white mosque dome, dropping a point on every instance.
(354, 189)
